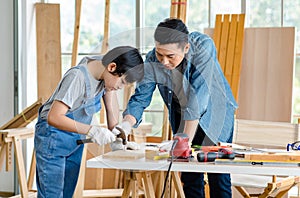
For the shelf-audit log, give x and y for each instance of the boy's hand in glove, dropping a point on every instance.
(101, 135)
(118, 145)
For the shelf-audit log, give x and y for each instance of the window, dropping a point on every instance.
(200, 14)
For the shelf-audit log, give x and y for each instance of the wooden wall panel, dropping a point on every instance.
(267, 74)
(48, 48)
(266, 81)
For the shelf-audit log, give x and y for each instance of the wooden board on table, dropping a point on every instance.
(125, 154)
(280, 157)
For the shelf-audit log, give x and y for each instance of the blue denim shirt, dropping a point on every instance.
(202, 92)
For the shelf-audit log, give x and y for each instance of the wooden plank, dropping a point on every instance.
(148, 185)
(274, 157)
(223, 42)
(238, 56)
(80, 184)
(25, 117)
(31, 172)
(231, 48)
(76, 33)
(106, 27)
(258, 133)
(177, 183)
(128, 154)
(182, 10)
(166, 125)
(9, 156)
(216, 34)
(2, 154)
(21, 167)
(104, 50)
(174, 9)
(21, 132)
(48, 48)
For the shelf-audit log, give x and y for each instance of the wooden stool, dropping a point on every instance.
(15, 136)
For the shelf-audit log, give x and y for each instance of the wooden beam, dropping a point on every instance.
(106, 27)
(76, 33)
(104, 50)
(25, 117)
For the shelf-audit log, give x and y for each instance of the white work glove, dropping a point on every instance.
(133, 146)
(101, 135)
(118, 145)
(166, 145)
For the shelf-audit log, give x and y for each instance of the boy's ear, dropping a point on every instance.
(112, 67)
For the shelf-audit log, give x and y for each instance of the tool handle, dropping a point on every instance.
(212, 156)
(83, 141)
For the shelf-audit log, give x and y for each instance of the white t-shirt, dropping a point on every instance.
(71, 89)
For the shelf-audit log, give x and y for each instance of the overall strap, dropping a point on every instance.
(87, 81)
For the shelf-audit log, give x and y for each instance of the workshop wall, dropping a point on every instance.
(6, 76)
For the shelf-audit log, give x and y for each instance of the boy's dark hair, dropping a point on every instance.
(171, 31)
(128, 60)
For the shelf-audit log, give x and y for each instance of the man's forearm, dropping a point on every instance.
(129, 118)
(190, 128)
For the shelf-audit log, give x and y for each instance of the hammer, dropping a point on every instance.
(121, 135)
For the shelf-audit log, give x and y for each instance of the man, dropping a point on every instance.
(186, 71)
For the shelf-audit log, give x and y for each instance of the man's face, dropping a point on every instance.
(170, 55)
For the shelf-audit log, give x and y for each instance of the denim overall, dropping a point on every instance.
(58, 156)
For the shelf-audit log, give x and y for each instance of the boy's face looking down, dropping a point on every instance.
(171, 54)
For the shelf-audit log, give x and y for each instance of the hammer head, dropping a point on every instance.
(122, 135)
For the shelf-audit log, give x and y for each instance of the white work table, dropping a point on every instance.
(211, 167)
(146, 165)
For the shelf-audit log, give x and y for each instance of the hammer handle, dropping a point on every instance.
(83, 141)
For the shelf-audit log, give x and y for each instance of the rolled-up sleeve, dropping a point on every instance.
(200, 80)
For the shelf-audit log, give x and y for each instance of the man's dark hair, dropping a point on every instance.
(128, 60)
(171, 31)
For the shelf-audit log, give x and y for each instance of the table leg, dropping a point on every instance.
(21, 166)
(177, 184)
(148, 186)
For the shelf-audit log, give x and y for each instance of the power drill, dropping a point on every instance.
(181, 150)
(223, 153)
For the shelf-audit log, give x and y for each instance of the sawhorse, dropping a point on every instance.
(15, 137)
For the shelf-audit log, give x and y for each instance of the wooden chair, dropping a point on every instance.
(264, 134)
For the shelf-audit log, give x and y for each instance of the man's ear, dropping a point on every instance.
(111, 67)
(186, 48)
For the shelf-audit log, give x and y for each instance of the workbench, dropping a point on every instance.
(147, 165)
(194, 166)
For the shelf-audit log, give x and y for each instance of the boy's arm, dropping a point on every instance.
(112, 108)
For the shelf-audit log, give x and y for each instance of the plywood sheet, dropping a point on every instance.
(267, 74)
(48, 48)
(266, 80)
